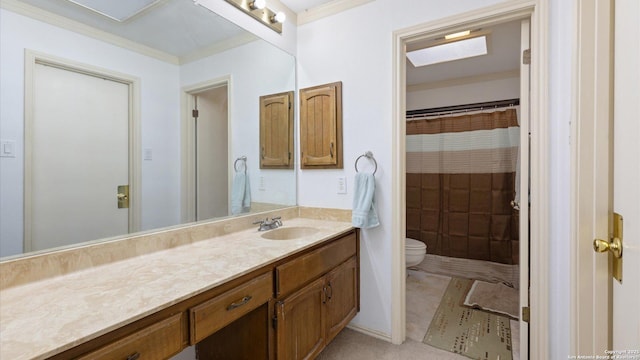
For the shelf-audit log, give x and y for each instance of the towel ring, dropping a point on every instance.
(368, 155)
(244, 160)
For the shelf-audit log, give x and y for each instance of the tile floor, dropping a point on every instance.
(424, 291)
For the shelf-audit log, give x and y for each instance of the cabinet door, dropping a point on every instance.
(276, 131)
(300, 329)
(321, 126)
(342, 297)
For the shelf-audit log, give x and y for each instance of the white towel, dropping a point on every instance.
(240, 194)
(364, 211)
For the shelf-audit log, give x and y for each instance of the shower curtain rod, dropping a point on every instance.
(411, 114)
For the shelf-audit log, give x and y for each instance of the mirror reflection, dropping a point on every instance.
(112, 127)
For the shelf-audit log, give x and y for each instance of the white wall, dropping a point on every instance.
(159, 110)
(491, 90)
(257, 69)
(355, 47)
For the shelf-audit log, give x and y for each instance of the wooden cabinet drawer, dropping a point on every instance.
(295, 273)
(158, 341)
(214, 314)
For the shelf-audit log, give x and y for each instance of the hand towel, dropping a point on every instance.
(364, 204)
(240, 194)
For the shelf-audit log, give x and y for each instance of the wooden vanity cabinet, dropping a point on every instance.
(290, 309)
(310, 317)
(158, 341)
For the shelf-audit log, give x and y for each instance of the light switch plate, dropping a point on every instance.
(147, 154)
(342, 185)
(261, 183)
(7, 148)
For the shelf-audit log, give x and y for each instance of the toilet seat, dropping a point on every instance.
(414, 244)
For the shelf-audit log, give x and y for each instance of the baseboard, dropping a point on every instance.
(369, 332)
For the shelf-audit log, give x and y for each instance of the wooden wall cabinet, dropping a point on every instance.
(321, 127)
(276, 131)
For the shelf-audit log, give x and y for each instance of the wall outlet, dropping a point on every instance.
(147, 154)
(261, 183)
(342, 185)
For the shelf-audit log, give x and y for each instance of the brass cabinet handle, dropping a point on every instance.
(263, 152)
(134, 356)
(330, 292)
(239, 303)
(331, 149)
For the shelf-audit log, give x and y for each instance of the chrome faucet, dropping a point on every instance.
(267, 224)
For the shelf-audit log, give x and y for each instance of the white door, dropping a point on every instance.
(212, 164)
(626, 175)
(79, 146)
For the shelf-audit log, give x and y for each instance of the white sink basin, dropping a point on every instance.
(289, 233)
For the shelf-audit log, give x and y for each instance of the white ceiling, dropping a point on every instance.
(176, 27)
(504, 55)
(299, 6)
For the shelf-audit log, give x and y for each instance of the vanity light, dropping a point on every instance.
(258, 10)
(279, 17)
(257, 4)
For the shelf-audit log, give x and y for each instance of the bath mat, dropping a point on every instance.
(494, 297)
(473, 333)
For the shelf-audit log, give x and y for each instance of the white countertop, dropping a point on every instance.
(43, 318)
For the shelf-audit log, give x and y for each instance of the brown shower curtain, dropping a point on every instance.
(461, 174)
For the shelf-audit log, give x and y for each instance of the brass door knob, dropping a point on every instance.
(615, 246)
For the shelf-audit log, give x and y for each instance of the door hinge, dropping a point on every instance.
(289, 155)
(526, 314)
(289, 105)
(526, 57)
(195, 113)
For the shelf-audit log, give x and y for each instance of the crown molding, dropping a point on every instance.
(328, 9)
(80, 28)
(509, 74)
(220, 47)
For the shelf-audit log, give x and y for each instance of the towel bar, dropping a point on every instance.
(368, 155)
(244, 161)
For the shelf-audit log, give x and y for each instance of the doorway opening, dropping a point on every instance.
(206, 150)
(533, 334)
(463, 191)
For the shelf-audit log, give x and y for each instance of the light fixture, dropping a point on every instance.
(257, 4)
(258, 10)
(279, 17)
(457, 35)
(449, 51)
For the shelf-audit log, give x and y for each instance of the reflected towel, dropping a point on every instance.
(364, 204)
(240, 194)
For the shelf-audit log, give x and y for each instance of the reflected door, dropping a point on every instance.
(79, 156)
(212, 167)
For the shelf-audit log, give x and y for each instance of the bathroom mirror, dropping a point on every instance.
(178, 56)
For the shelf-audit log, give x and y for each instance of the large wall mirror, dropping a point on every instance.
(98, 128)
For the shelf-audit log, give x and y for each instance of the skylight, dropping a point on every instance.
(448, 52)
(119, 10)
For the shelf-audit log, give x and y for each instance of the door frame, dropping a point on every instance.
(591, 194)
(537, 11)
(135, 177)
(187, 141)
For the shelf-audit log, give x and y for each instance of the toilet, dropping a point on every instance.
(414, 251)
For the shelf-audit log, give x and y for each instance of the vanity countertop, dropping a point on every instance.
(42, 318)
